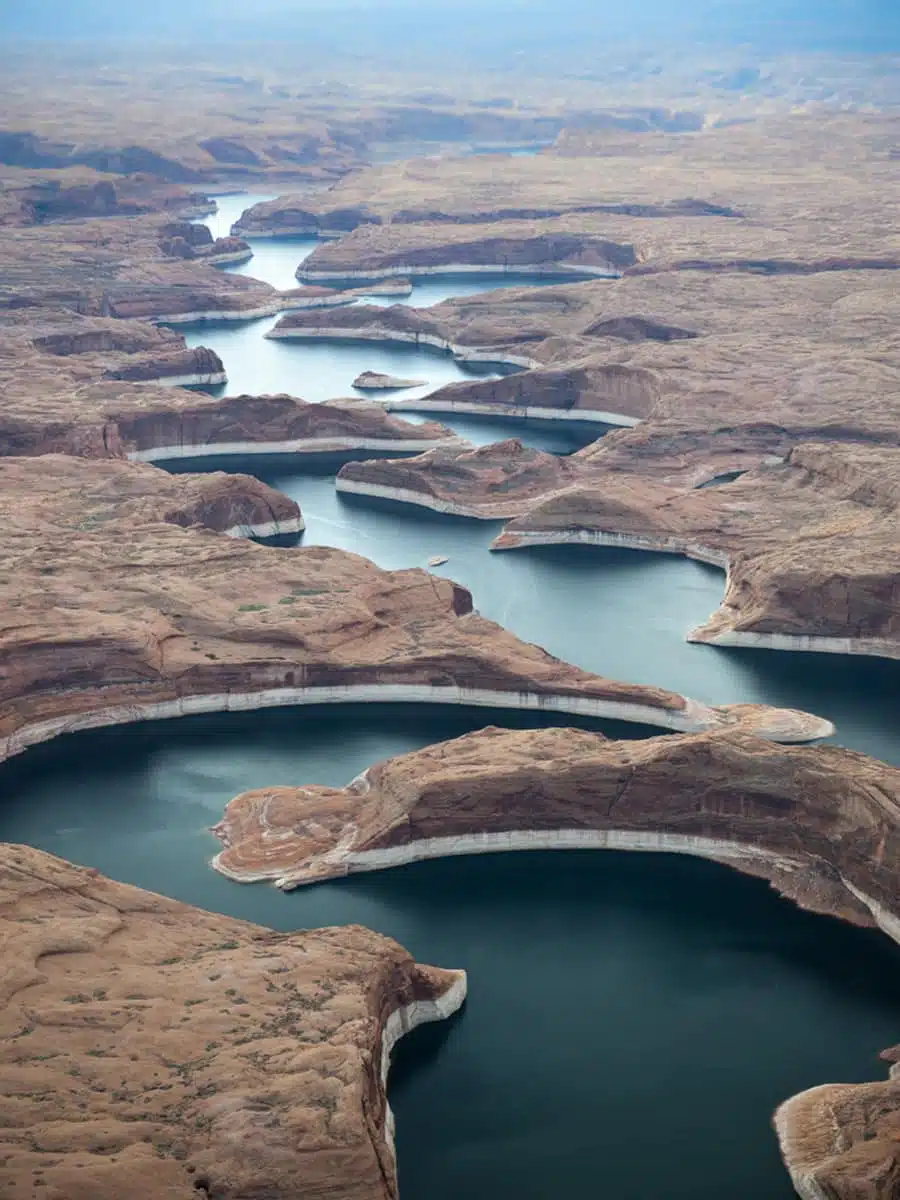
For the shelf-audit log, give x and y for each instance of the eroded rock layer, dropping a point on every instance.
(811, 541)
(151, 1049)
(114, 615)
(823, 823)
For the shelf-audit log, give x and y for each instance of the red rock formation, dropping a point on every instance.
(820, 822)
(130, 1067)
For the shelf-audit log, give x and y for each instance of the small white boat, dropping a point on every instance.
(438, 560)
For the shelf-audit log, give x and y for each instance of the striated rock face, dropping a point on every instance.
(248, 425)
(366, 322)
(811, 543)
(66, 493)
(373, 253)
(195, 366)
(593, 392)
(151, 1049)
(491, 482)
(821, 822)
(115, 616)
(293, 216)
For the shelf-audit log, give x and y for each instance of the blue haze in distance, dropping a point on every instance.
(488, 26)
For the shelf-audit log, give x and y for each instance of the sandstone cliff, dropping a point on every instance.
(115, 616)
(821, 822)
(150, 1049)
(811, 542)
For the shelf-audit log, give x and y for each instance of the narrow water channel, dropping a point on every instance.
(633, 1020)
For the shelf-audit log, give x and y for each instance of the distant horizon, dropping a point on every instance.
(772, 26)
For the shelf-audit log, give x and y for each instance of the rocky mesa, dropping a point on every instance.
(821, 822)
(115, 617)
(151, 1049)
(809, 542)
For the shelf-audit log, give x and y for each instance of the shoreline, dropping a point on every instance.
(563, 270)
(296, 446)
(213, 379)
(508, 841)
(624, 541)
(583, 416)
(267, 529)
(384, 337)
(800, 643)
(420, 500)
(227, 259)
(404, 1020)
(694, 717)
(342, 862)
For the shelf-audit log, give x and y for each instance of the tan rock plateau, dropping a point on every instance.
(63, 493)
(810, 542)
(116, 616)
(151, 1049)
(821, 822)
(496, 481)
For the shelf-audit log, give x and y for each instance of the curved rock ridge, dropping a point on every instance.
(810, 543)
(260, 425)
(64, 494)
(59, 411)
(130, 1067)
(580, 393)
(491, 482)
(398, 324)
(113, 615)
(822, 823)
(376, 253)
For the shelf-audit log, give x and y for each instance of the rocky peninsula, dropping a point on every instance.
(819, 822)
(809, 543)
(151, 1048)
(808, 540)
(501, 480)
(117, 616)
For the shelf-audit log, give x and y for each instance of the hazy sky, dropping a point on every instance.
(851, 24)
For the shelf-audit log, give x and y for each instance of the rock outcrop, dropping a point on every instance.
(810, 543)
(151, 1049)
(580, 393)
(841, 1139)
(496, 481)
(258, 425)
(821, 822)
(376, 252)
(115, 616)
(66, 493)
(374, 381)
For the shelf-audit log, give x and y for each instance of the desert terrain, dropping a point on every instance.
(722, 244)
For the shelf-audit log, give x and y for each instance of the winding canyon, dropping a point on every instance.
(635, 378)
